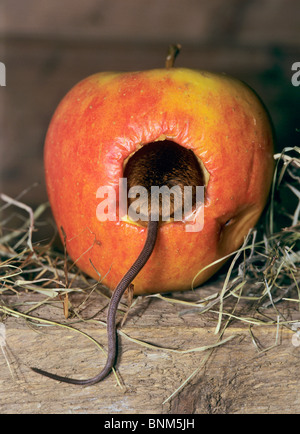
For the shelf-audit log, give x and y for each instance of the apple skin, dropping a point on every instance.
(106, 117)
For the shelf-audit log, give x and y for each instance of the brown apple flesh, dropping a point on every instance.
(106, 118)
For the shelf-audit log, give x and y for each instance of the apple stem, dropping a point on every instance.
(173, 52)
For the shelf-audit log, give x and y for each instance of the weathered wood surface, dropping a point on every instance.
(237, 378)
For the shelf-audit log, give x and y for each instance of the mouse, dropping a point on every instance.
(159, 163)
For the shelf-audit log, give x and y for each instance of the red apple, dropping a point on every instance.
(106, 118)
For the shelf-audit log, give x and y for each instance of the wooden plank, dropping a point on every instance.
(136, 20)
(236, 378)
(110, 20)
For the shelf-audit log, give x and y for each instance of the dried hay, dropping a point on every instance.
(264, 273)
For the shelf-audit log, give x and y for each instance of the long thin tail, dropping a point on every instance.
(111, 316)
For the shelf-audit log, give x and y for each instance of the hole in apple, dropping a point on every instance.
(169, 168)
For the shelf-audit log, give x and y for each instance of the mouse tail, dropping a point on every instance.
(111, 316)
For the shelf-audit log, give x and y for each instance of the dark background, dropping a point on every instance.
(48, 46)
